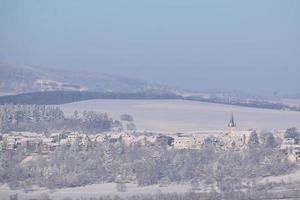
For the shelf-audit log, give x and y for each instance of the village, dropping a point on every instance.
(232, 139)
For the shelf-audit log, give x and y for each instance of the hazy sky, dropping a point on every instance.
(247, 45)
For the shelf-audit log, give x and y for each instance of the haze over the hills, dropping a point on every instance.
(252, 46)
(16, 79)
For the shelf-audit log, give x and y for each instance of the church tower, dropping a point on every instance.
(231, 125)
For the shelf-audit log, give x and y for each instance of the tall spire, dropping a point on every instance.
(232, 123)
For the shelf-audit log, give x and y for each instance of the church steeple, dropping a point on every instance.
(232, 125)
(231, 122)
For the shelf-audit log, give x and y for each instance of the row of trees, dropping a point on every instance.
(16, 116)
(251, 193)
(264, 139)
(41, 118)
(71, 166)
(292, 133)
(61, 97)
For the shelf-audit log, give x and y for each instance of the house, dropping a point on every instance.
(85, 140)
(212, 140)
(294, 155)
(140, 140)
(127, 139)
(73, 137)
(57, 137)
(33, 144)
(114, 137)
(12, 141)
(183, 142)
(98, 138)
(164, 140)
(48, 145)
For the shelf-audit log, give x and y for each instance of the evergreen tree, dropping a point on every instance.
(253, 140)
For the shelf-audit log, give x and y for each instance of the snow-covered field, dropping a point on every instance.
(109, 189)
(189, 116)
(5, 93)
(288, 178)
(95, 190)
(291, 102)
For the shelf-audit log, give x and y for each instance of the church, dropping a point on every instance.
(234, 139)
(231, 125)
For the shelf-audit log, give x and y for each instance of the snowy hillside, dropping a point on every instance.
(27, 78)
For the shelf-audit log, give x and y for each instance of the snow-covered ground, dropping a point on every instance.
(189, 116)
(109, 189)
(95, 190)
(291, 102)
(288, 178)
(5, 93)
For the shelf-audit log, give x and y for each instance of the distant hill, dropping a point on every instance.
(15, 79)
(26, 84)
(61, 97)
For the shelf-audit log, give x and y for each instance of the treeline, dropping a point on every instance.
(253, 193)
(70, 166)
(251, 104)
(61, 97)
(43, 119)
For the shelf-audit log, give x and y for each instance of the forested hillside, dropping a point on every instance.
(61, 97)
(43, 119)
